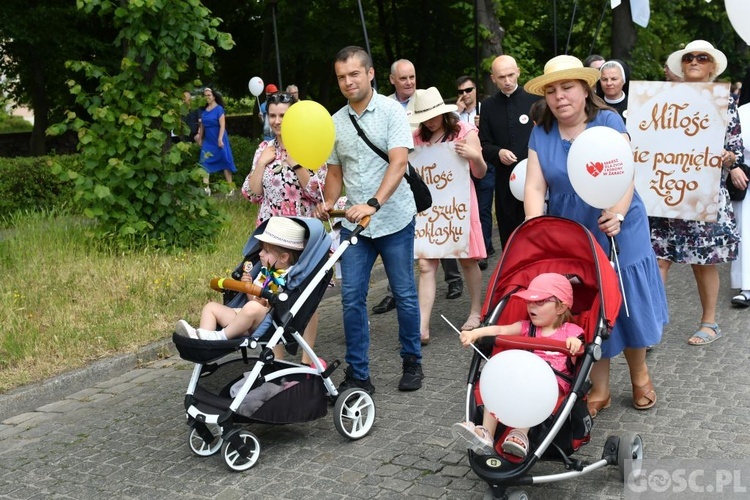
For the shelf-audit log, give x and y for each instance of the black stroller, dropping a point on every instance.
(543, 245)
(226, 371)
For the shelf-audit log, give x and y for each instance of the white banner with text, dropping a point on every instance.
(443, 230)
(677, 134)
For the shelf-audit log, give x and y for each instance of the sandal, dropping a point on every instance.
(473, 322)
(703, 338)
(481, 445)
(596, 406)
(646, 392)
(516, 443)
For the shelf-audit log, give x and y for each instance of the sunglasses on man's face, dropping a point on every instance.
(701, 58)
(467, 90)
(280, 98)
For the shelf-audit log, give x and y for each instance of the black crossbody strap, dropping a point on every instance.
(364, 137)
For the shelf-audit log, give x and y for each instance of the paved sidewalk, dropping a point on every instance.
(125, 436)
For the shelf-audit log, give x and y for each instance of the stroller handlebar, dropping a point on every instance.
(363, 222)
(518, 342)
(221, 284)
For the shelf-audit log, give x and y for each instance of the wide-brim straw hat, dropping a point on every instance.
(428, 103)
(562, 68)
(283, 232)
(674, 61)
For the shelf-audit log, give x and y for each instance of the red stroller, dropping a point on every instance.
(543, 245)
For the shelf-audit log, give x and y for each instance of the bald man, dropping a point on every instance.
(403, 77)
(504, 132)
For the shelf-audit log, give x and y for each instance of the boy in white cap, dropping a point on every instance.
(281, 244)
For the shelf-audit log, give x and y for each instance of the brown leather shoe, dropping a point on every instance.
(646, 392)
(596, 406)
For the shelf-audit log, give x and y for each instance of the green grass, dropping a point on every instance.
(66, 303)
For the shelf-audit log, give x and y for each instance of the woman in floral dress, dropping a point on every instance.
(276, 181)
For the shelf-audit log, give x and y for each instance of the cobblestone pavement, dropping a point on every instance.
(124, 436)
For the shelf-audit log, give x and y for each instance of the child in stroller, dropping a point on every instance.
(549, 298)
(258, 386)
(540, 245)
(282, 242)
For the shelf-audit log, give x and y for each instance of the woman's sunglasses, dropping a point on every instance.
(467, 90)
(280, 98)
(701, 58)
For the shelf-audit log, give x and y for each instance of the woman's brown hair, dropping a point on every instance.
(450, 125)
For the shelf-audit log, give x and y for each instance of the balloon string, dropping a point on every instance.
(322, 197)
(459, 333)
(619, 275)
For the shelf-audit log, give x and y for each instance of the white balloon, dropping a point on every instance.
(255, 85)
(600, 166)
(519, 388)
(738, 12)
(518, 180)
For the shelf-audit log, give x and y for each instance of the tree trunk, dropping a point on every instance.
(623, 32)
(491, 46)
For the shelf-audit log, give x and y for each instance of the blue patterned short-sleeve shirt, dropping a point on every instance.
(385, 124)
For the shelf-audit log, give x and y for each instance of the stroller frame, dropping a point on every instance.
(512, 274)
(212, 416)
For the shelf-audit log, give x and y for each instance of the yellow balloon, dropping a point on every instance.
(308, 133)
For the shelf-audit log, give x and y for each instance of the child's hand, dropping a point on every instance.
(573, 344)
(246, 277)
(467, 338)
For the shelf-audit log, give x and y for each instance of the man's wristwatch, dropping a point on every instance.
(374, 203)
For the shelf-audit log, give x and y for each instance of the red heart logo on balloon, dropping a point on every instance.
(594, 168)
(513, 176)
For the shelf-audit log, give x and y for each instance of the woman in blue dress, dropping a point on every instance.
(216, 153)
(572, 107)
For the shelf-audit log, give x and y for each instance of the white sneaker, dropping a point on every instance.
(481, 445)
(210, 335)
(183, 328)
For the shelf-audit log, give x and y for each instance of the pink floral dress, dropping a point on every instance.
(282, 192)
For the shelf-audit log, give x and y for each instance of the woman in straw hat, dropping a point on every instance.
(572, 107)
(438, 122)
(704, 244)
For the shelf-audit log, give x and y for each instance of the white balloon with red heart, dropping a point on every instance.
(255, 86)
(518, 180)
(738, 12)
(600, 166)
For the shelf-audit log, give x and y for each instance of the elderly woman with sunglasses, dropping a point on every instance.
(704, 244)
(276, 181)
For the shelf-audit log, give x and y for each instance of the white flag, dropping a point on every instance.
(639, 11)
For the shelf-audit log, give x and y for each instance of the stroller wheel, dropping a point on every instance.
(629, 454)
(204, 448)
(514, 494)
(354, 413)
(233, 457)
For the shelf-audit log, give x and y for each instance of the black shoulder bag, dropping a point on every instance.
(422, 195)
